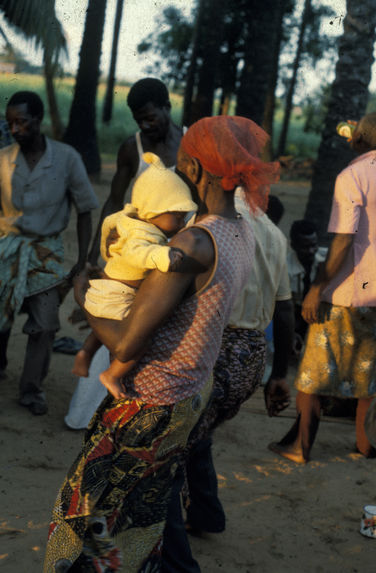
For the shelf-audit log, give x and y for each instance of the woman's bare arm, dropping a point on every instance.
(337, 254)
(156, 298)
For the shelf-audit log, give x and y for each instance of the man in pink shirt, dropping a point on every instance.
(340, 307)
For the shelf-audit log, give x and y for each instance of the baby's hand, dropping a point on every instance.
(176, 258)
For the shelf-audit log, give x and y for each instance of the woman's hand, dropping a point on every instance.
(311, 303)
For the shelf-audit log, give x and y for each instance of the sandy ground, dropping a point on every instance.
(281, 517)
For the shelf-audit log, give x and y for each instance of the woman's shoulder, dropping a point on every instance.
(196, 243)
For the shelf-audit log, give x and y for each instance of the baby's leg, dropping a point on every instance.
(84, 356)
(111, 378)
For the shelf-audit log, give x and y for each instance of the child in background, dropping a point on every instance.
(133, 242)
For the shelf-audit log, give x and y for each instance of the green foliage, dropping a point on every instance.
(36, 20)
(315, 42)
(10, 83)
(315, 109)
(172, 44)
(300, 143)
(316, 45)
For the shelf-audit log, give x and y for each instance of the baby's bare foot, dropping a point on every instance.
(113, 385)
(81, 363)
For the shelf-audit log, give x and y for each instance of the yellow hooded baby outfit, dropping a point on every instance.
(141, 246)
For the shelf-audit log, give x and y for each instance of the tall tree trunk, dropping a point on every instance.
(49, 73)
(81, 131)
(270, 94)
(191, 72)
(290, 92)
(229, 61)
(258, 59)
(108, 98)
(348, 100)
(210, 40)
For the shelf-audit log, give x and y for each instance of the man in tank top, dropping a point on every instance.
(149, 102)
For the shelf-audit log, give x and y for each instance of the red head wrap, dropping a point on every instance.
(229, 147)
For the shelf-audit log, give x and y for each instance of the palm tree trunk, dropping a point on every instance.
(49, 72)
(210, 40)
(81, 132)
(108, 99)
(258, 59)
(348, 100)
(228, 72)
(295, 69)
(270, 95)
(191, 72)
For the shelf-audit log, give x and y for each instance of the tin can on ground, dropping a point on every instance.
(368, 522)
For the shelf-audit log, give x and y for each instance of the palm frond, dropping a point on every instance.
(37, 21)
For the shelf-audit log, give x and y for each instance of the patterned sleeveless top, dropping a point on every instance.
(182, 352)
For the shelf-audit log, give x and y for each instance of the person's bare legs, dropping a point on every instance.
(363, 445)
(84, 356)
(297, 443)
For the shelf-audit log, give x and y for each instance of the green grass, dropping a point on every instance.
(110, 137)
(299, 143)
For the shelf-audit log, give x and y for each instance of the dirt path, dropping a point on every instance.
(281, 517)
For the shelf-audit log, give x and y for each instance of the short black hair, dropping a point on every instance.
(302, 227)
(275, 209)
(148, 90)
(33, 101)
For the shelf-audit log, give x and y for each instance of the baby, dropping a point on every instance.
(133, 242)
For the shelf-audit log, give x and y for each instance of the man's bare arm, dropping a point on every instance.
(337, 254)
(157, 297)
(127, 163)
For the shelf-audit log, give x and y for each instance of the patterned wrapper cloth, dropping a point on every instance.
(28, 265)
(111, 509)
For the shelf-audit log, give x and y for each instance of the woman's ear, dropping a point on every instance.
(194, 170)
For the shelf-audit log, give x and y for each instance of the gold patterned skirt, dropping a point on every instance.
(340, 353)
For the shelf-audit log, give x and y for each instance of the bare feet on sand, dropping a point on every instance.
(288, 453)
(81, 363)
(113, 385)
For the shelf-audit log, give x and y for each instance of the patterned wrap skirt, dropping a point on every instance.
(238, 372)
(340, 355)
(110, 512)
(27, 266)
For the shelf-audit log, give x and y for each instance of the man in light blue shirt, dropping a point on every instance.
(39, 180)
